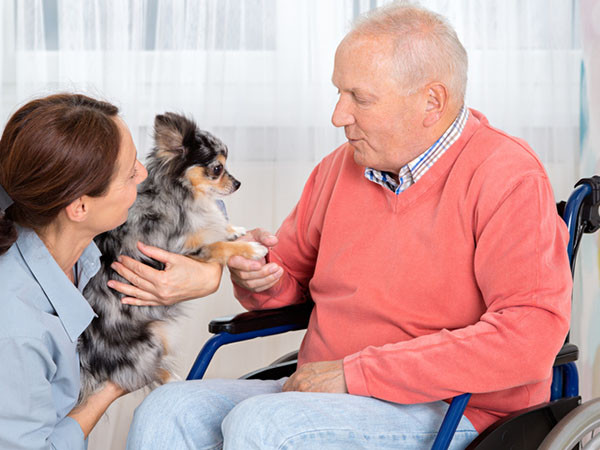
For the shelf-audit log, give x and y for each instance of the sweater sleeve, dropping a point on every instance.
(522, 271)
(28, 416)
(298, 239)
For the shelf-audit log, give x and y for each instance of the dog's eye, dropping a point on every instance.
(217, 170)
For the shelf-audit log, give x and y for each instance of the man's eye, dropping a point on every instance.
(360, 100)
(216, 171)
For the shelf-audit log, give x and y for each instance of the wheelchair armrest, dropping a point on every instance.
(260, 320)
(568, 353)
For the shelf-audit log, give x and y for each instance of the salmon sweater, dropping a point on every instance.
(459, 284)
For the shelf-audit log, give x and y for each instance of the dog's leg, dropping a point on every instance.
(164, 375)
(234, 232)
(222, 251)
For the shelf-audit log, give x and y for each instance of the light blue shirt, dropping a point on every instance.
(41, 316)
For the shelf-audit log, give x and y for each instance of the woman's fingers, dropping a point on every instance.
(138, 302)
(131, 291)
(130, 270)
(156, 253)
(134, 295)
(136, 272)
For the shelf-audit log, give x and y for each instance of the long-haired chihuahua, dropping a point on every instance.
(176, 209)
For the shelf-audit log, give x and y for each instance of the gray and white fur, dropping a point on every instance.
(176, 210)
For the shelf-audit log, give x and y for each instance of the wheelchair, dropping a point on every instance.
(560, 424)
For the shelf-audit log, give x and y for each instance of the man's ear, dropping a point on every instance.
(78, 209)
(437, 102)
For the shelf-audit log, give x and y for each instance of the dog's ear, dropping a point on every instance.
(170, 130)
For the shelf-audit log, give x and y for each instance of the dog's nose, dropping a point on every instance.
(236, 185)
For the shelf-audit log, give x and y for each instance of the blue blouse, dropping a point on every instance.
(41, 316)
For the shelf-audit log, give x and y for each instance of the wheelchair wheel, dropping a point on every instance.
(579, 429)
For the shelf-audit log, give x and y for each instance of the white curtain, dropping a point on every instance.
(586, 308)
(257, 74)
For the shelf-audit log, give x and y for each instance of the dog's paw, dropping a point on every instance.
(235, 232)
(258, 251)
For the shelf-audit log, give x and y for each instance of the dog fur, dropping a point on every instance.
(176, 210)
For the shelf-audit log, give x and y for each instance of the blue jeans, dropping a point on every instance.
(255, 414)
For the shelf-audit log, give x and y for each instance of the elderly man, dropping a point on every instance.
(432, 249)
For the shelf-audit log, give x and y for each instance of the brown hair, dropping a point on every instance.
(54, 150)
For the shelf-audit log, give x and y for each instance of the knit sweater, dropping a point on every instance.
(459, 284)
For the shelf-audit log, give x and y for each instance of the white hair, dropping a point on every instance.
(426, 47)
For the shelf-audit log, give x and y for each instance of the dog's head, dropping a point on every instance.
(193, 157)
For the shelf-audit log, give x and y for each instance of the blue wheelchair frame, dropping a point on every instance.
(565, 382)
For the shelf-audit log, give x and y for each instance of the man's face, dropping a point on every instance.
(383, 126)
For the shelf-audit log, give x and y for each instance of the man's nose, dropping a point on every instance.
(342, 116)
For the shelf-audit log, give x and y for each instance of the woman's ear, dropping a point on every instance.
(78, 209)
(437, 101)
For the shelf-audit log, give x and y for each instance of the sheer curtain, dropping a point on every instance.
(257, 74)
(586, 312)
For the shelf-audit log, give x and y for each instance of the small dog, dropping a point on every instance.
(176, 210)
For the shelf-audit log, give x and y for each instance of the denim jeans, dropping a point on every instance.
(255, 414)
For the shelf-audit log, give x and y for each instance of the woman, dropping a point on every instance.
(68, 172)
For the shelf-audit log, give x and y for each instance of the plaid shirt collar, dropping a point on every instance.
(415, 169)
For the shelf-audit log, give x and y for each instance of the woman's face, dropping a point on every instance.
(110, 210)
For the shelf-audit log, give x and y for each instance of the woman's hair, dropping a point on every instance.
(54, 150)
(425, 44)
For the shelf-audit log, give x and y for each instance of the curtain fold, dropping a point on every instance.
(586, 310)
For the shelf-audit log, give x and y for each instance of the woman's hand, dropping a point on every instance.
(88, 414)
(182, 279)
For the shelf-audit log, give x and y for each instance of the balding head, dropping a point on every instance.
(425, 47)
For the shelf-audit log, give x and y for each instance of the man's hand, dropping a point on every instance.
(256, 276)
(325, 376)
(182, 279)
